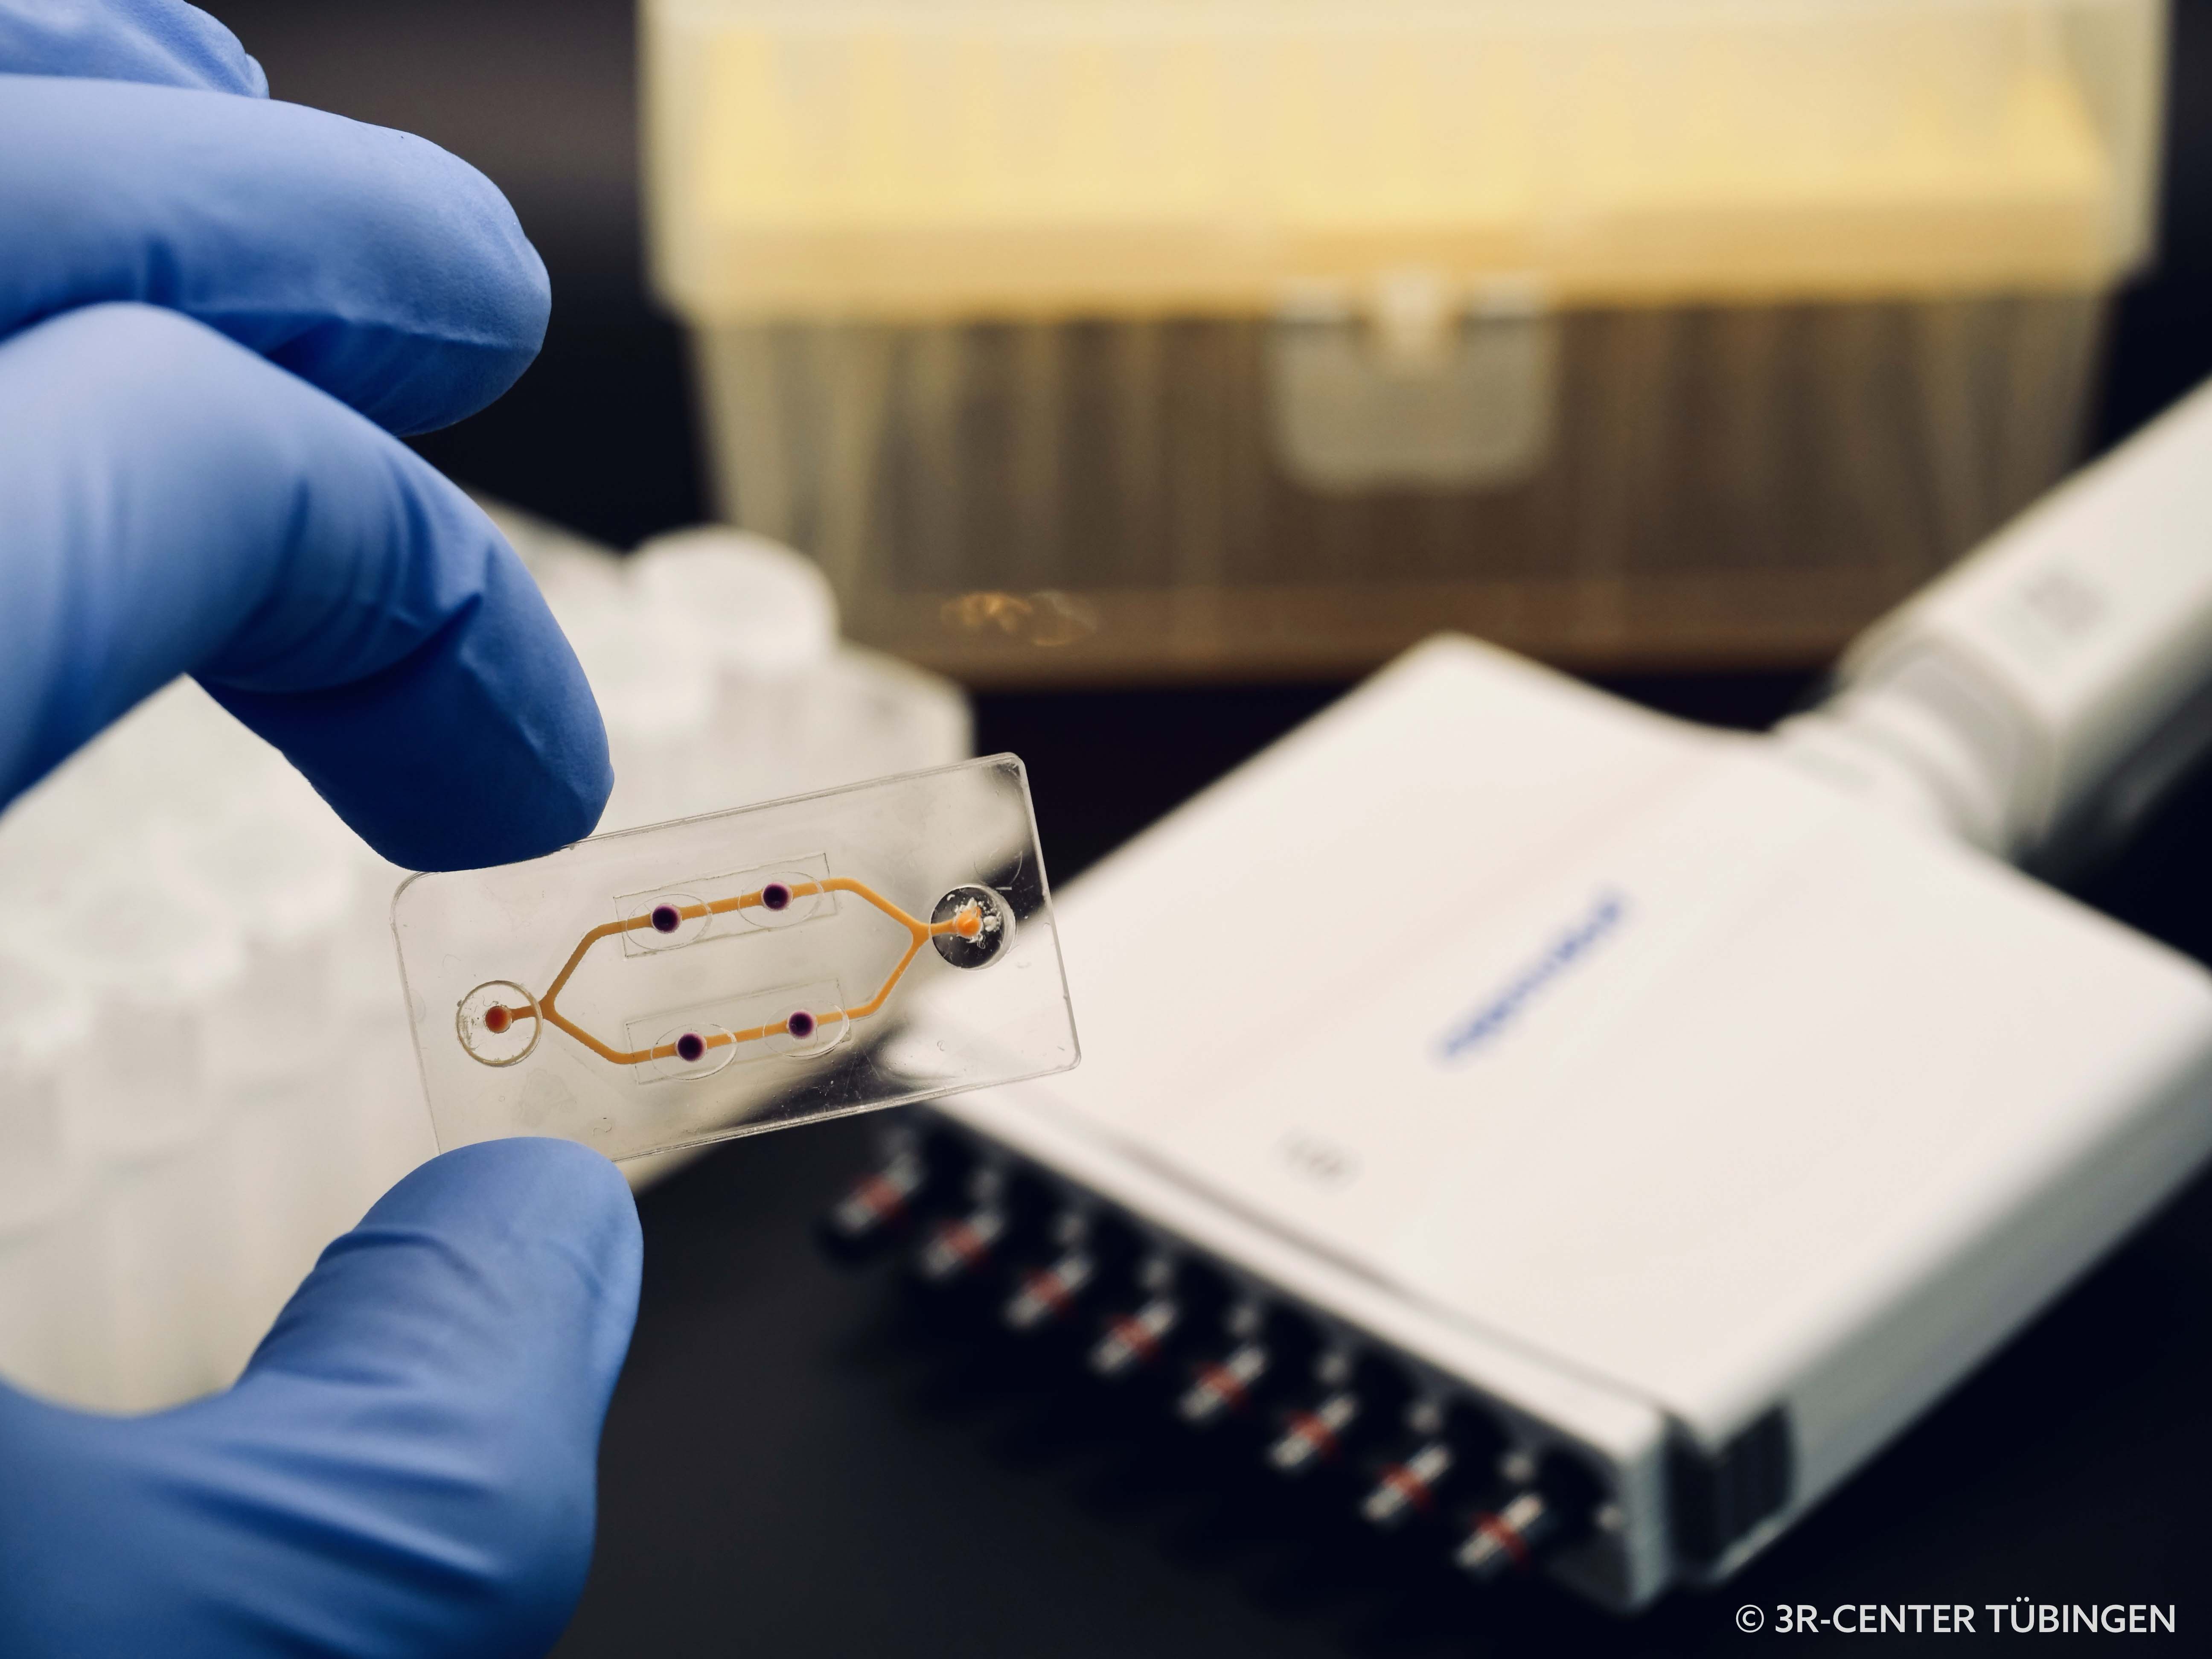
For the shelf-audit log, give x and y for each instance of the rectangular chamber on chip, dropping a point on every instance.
(866, 946)
(709, 891)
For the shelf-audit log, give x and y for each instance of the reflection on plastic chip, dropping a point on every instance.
(1047, 617)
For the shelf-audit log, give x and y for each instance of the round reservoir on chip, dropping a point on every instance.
(671, 921)
(803, 1031)
(497, 1023)
(982, 925)
(786, 897)
(686, 1053)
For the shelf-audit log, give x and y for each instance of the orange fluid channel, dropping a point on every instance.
(967, 923)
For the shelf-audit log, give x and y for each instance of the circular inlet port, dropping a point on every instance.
(978, 926)
(497, 1023)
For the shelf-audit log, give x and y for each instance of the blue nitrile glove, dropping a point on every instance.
(176, 501)
(214, 310)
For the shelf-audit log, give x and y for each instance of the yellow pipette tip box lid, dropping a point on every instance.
(862, 159)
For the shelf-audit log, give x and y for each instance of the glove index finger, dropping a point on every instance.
(177, 505)
(160, 42)
(369, 262)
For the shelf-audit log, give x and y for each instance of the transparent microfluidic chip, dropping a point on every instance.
(888, 941)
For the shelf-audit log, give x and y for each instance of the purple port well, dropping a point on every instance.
(666, 919)
(775, 896)
(800, 1025)
(689, 1046)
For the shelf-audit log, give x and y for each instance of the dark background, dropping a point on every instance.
(797, 1464)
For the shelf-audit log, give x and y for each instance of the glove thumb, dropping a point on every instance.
(440, 1379)
(408, 1465)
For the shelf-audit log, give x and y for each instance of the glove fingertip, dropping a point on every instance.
(153, 42)
(527, 1180)
(513, 1265)
(450, 300)
(534, 1189)
(482, 746)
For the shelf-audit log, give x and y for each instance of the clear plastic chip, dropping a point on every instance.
(866, 946)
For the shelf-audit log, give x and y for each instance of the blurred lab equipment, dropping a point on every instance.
(208, 1065)
(1603, 1134)
(1133, 341)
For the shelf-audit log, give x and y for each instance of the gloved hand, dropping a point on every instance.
(214, 311)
